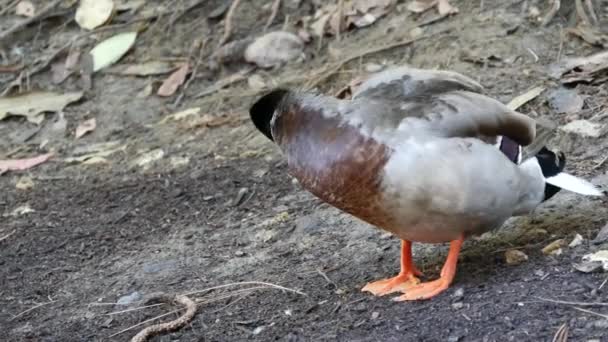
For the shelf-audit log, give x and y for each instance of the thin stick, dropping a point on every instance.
(275, 10)
(174, 325)
(592, 14)
(591, 312)
(228, 22)
(571, 303)
(247, 283)
(9, 7)
(580, 10)
(144, 322)
(603, 283)
(332, 70)
(7, 235)
(562, 334)
(554, 8)
(197, 64)
(133, 309)
(39, 16)
(31, 309)
(340, 14)
(224, 82)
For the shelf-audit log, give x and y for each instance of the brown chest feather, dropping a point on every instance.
(335, 162)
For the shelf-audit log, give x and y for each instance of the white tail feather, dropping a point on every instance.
(574, 184)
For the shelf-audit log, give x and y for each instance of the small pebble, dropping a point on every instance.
(375, 315)
(457, 305)
(239, 253)
(458, 293)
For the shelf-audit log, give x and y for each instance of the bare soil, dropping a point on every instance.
(219, 208)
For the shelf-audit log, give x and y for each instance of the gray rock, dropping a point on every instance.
(130, 298)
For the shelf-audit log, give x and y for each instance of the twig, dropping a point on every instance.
(598, 165)
(591, 9)
(556, 4)
(9, 7)
(174, 325)
(591, 312)
(7, 235)
(185, 10)
(41, 14)
(603, 283)
(197, 64)
(228, 22)
(562, 334)
(570, 303)
(580, 10)
(31, 309)
(322, 274)
(275, 10)
(224, 82)
(330, 71)
(247, 283)
(340, 19)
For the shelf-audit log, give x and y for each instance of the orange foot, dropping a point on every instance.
(399, 283)
(432, 288)
(403, 281)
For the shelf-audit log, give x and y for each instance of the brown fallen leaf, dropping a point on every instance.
(25, 8)
(554, 247)
(85, 127)
(515, 257)
(23, 164)
(176, 79)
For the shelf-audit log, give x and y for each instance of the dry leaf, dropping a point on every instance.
(176, 79)
(256, 82)
(31, 105)
(274, 48)
(100, 150)
(147, 158)
(25, 8)
(85, 127)
(445, 8)
(112, 49)
(93, 13)
(143, 69)
(21, 210)
(515, 257)
(583, 127)
(589, 34)
(599, 256)
(61, 71)
(180, 115)
(420, 6)
(576, 241)
(23, 164)
(524, 98)
(595, 62)
(554, 247)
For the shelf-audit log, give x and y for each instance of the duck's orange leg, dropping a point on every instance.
(432, 288)
(405, 279)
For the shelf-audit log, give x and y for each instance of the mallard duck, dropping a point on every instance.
(423, 154)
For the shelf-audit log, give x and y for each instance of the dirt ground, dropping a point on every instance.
(215, 205)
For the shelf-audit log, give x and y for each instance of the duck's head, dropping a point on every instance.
(263, 110)
(552, 166)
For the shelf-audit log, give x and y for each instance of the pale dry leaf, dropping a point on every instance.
(420, 6)
(85, 127)
(93, 13)
(515, 257)
(25, 8)
(21, 210)
(274, 48)
(445, 8)
(181, 115)
(33, 104)
(318, 27)
(112, 49)
(554, 247)
(97, 151)
(584, 128)
(599, 256)
(256, 82)
(149, 157)
(143, 69)
(23, 164)
(176, 79)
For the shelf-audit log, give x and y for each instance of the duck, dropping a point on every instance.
(423, 154)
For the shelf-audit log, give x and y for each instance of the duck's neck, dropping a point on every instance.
(532, 187)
